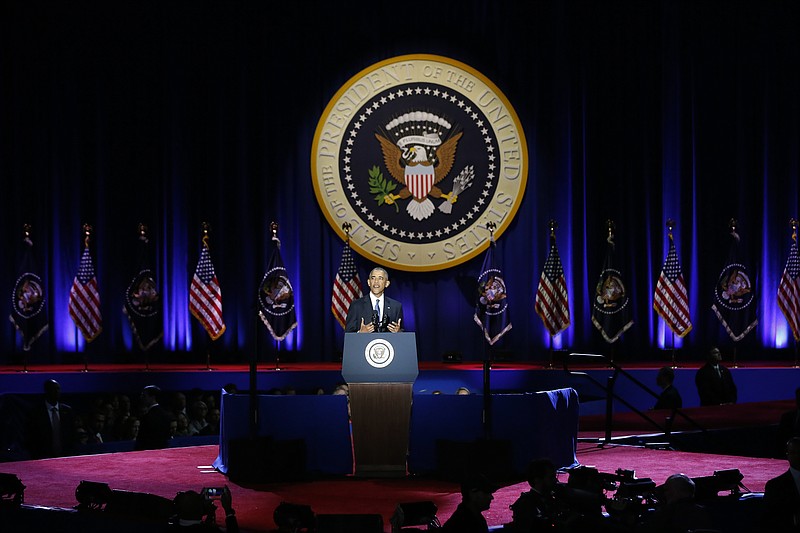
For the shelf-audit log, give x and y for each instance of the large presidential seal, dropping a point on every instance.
(418, 153)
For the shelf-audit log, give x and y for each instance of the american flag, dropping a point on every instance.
(205, 296)
(552, 302)
(346, 286)
(84, 300)
(789, 290)
(670, 300)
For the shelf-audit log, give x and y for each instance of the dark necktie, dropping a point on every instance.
(55, 421)
(378, 309)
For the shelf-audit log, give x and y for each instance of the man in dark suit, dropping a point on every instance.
(714, 381)
(51, 425)
(789, 425)
(782, 494)
(375, 312)
(154, 429)
(669, 398)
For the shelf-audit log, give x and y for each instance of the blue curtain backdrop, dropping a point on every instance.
(176, 113)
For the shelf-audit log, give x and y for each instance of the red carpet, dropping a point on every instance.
(52, 482)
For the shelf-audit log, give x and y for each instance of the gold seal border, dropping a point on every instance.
(353, 218)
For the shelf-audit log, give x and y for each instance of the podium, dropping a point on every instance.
(380, 369)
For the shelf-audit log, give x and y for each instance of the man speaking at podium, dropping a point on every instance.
(376, 312)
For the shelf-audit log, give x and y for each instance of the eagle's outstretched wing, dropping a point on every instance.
(447, 156)
(391, 158)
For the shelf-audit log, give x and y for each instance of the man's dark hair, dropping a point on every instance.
(153, 390)
(666, 373)
(539, 468)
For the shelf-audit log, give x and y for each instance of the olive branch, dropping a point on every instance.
(380, 186)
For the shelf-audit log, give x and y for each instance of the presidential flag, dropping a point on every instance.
(491, 309)
(735, 294)
(552, 302)
(789, 290)
(205, 295)
(84, 298)
(671, 300)
(611, 304)
(276, 297)
(346, 286)
(28, 300)
(143, 305)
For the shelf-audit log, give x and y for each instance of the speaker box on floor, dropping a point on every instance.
(457, 459)
(349, 523)
(262, 459)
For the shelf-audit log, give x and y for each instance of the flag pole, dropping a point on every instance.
(26, 230)
(274, 229)
(553, 226)
(672, 334)
(610, 238)
(143, 238)
(87, 230)
(209, 342)
(487, 366)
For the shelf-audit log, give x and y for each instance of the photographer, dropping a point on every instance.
(534, 510)
(197, 512)
(679, 511)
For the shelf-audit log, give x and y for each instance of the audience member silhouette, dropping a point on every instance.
(154, 429)
(678, 511)
(476, 496)
(212, 427)
(789, 425)
(195, 512)
(782, 495)
(182, 425)
(714, 381)
(534, 510)
(197, 417)
(97, 428)
(130, 428)
(51, 425)
(177, 403)
(669, 398)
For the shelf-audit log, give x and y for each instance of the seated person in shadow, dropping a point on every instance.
(194, 512)
(669, 398)
(476, 496)
(535, 510)
(678, 511)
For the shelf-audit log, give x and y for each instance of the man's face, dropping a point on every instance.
(378, 281)
(714, 356)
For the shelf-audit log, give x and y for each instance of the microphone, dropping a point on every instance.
(385, 323)
(375, 321)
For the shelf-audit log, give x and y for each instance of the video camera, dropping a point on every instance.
(212, 493)
(589, 492)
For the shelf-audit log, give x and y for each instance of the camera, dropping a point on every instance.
(212, 493)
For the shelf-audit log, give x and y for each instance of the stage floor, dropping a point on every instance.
(52, 482)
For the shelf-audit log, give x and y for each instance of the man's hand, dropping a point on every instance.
(366, 328)
(394, 327)
(226, 500)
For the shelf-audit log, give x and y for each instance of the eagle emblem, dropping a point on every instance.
(417, 156)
